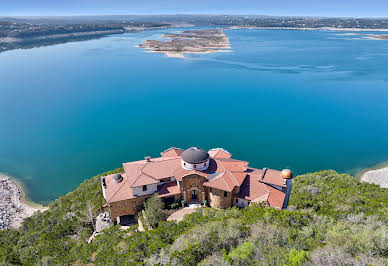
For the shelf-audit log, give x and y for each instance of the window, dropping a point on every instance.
(236, 200)
(204, 164)
(184, 164)
(195, 166)
(225, 194)
(145, 188)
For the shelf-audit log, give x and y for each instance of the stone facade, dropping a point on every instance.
(220, 199)
(191, 186)
(126, 207)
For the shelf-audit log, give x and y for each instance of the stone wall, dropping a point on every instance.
(218, 200)
(126, 207)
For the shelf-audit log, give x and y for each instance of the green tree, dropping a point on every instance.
(241, 255)
(154, 210)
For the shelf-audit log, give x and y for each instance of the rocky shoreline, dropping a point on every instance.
(13, 210)
(376, 176)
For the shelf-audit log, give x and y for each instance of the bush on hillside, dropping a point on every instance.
(153, 210)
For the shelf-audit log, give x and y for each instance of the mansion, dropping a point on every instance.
(194, 176)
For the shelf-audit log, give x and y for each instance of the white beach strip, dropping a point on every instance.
(377, 176)
(13, 207)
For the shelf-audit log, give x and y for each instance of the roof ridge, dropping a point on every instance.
(171, 148)
(141, 173)
(265, 185)
(117, 191)
(233, 178)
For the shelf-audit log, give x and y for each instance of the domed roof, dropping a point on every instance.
(117, 178)
(195, 155)
(286, 173)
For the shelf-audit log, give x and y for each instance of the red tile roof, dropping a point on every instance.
(117, 191)
(172, 152)
(271, 176)
(276, 197)
(168, 189)
(251, 188)
(226, 181)
(219, 153)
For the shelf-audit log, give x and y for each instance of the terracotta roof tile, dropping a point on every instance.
(163, 168)
(117, 191)
(233, 165)
(168, 189)
(141, 180)
(272, 177)
(179, 173)
(251, 188)
(223, 181)
(172, 152)
(219, 153)
(276, 197)
(226, 181)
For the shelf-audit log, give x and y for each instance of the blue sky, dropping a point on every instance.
(360, 8)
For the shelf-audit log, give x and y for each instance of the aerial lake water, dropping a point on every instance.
(307, 100)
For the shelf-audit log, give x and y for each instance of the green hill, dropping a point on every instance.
(332, 219)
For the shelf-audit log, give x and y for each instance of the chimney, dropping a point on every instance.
(147, 158)
(264, 171)
(103, 181)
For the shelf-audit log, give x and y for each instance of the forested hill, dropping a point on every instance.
(332, 219)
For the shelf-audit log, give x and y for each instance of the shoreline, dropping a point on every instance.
(297, 28)
(377, 175)
(14, 206)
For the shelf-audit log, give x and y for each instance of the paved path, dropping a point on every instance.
(178, 216)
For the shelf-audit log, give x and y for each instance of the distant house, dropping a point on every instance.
(194, 176)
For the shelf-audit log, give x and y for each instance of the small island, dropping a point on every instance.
(190, 41)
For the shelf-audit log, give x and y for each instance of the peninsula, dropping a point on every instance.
(190, 41)
(377, 176)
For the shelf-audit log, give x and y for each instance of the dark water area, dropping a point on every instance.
(307, 100)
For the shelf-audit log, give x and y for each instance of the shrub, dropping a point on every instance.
(153, 209)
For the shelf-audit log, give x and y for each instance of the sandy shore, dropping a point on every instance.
(376, 176)
(13, 206)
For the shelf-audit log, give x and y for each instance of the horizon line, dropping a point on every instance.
(186, 14)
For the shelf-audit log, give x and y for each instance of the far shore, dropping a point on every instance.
(297, 28)
(14, 207)
(376, 175)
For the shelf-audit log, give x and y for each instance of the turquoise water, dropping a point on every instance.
(308, 100)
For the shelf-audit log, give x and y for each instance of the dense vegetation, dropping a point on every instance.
(332, 219)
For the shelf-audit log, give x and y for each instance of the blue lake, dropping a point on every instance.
(308, 100)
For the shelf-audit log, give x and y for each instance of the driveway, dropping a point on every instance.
(178, 216)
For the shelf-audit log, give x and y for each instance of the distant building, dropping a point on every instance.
(194, 176)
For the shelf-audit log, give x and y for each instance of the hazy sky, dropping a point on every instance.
(366, 8)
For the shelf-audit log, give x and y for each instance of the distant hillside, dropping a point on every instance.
(333, 219)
